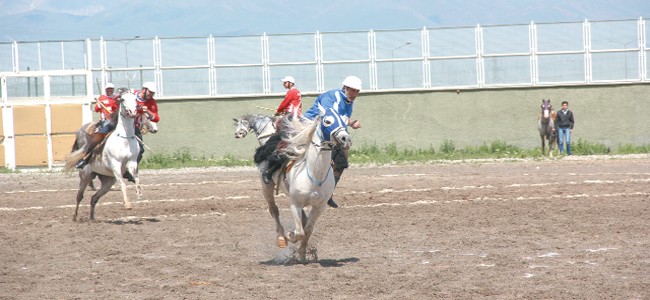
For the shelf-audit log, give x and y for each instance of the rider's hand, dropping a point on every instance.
(355, 124)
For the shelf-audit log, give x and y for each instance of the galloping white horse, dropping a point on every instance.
(309, 182)
(82, 136)
(120, 154)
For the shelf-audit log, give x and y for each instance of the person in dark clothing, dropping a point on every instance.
(564, 125)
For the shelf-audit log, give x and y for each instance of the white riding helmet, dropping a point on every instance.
(151, 86)
(289, 79)
(352, 82)
(110, 86)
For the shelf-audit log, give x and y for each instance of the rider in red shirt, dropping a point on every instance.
(292, 101)
(146, 105)
(108, 102)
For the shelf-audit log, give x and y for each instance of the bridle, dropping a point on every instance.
(259, 127)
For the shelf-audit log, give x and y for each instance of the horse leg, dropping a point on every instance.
(309, 229)
(84, 179)
(299, 233)
(92, 185)
(107, 183)
(267, 191)
(542, 136)
(117, 173)
(133, 169)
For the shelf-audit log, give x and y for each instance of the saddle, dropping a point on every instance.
(97, 152)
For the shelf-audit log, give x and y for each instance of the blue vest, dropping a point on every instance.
(334, 99)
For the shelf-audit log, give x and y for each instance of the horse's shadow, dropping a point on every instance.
(323, 262)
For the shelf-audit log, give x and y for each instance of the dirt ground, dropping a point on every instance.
(562, 229)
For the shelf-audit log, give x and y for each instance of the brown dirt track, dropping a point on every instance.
(566, 229)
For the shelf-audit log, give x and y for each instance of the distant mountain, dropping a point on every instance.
(24, 20)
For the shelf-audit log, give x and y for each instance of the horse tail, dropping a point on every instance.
(75, 146)
(299, 136)
(71, 159)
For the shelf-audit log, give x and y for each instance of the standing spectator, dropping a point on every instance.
(108, 102)
(293, 100)
(564, 125)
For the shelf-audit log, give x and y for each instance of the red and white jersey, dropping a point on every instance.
(151, 106)
(292, 103)
(110, 104)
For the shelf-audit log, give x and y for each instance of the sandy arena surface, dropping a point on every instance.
(576, 228)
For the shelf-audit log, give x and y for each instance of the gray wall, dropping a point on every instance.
(612, 115)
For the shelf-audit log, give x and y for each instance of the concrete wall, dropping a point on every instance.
(612, 115)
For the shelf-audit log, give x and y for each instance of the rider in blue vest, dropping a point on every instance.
(342, 101)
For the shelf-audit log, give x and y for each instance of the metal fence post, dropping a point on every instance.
(643, 70)
(480, 65)
(266, 73)
(426, 64)
(157, 62)
(372, 53)
(586, 37)
(14, 56)
(212, 73)
(532, 41)
(320, 77)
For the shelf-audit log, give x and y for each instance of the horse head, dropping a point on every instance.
(149, 126)
(243, 126)
(128, 105)
(334, 129)
(546, 108)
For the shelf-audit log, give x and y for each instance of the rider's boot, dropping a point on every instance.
(273, 164)
(95, 140)
(127, 175)
(331, 202)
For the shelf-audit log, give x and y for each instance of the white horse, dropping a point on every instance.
(309, 181)
(119, 154)
(262, 125)
(86, 130)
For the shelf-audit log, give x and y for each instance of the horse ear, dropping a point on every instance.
(322, 110)
(236, 121)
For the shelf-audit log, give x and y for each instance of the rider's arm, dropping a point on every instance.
(285, 104)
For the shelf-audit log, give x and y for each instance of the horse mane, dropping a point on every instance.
(252, 118)
(298, 137)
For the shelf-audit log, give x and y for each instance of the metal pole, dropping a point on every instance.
(391, 59)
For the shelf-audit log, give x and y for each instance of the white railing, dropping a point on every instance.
(535, 54)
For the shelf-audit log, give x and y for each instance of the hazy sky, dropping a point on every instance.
(79, 19)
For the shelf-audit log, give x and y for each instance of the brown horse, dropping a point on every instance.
(545, 125)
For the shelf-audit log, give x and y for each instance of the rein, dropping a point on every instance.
(260, 128)
(321, 148)
(316, 182)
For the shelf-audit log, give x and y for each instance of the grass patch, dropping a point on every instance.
(183, 159)
(391, 153)
(7, 170)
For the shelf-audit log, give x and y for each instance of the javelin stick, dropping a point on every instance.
(271, 109)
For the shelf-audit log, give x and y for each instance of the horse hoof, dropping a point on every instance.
(128, 207)
(281, 242)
